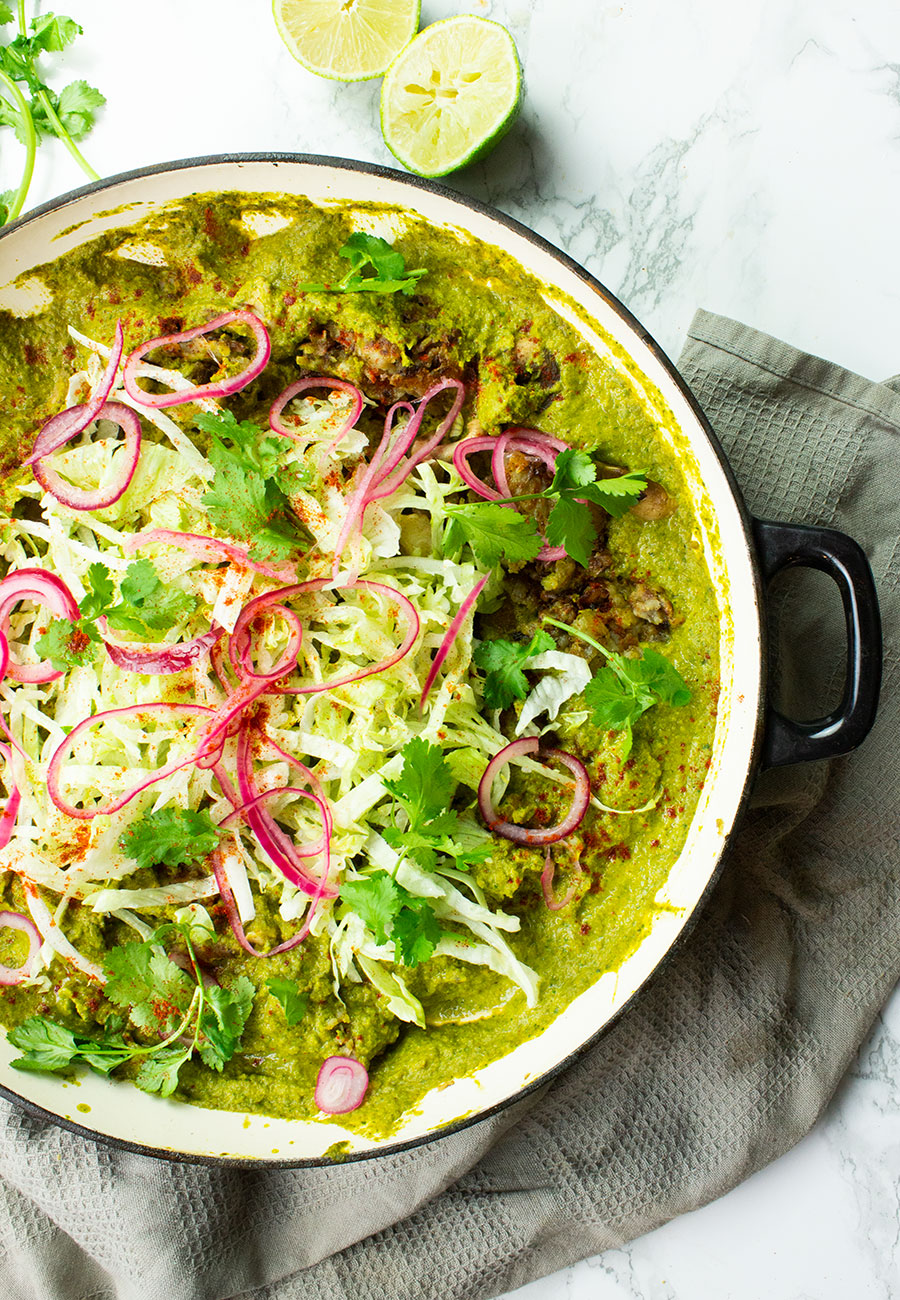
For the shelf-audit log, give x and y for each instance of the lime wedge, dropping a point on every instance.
(348, 40)
(450, 95)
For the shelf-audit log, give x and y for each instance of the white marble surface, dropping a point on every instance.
(744, 158)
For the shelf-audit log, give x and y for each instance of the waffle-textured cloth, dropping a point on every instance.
(726, 1059)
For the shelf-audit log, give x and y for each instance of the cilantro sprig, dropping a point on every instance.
(393, 913)
(246, 499)
(375, 267)
(495, 533)
(293, 1003)
(171, 837)
(422, 794)
(69, 115)
(424, 790)
(626, 688)
(147, 605)
(157, 997)
(503, 662)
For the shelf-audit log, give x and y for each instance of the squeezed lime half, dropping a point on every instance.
(450, 95)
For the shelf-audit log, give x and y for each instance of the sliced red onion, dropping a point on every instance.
(530, 441)
(277, 845)
(395, 472)
(25, 925)
(223, 387)
(286, 856)
(98, 498)
(55, 771)
(527, 834)
(57, 431)
(450, 636)
(211, 550)
(302, 386)
(160, 660)
(11, 808)
(360, 496)
(341, 1085)
(554, 904)
(461, 453)
(407, 608)
(44, 588)
(240, 642)
(4, 655)
(309, 776)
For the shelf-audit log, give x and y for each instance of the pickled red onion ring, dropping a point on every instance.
(11, 809)
(341, 1085)
(212, 550)
(221, 388)
(450, 636)
(407, 608)
(161, 660)
(57, 431)
(527, 834)
(240, 641)
(55, 770)
(280, 849)
(98, 498)
(554, 904)
(45, 588)
(234, 916)
(396, 470)
(25, 925)
(303, 385)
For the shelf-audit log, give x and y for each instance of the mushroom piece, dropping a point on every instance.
(654, 503)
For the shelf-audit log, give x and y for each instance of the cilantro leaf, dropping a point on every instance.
(251, 447)
(573, 469)
(100, 594)
(67, 645)
(53, 32)
(159, 998)
(376, 899)
(617, 494)
(222, 1021)
(570, 525)
(76, 107)
(148, 985)
(148, 603)
(42, 112)
(626, 688)
(424, 791)
(292, 1001)
(48, 1046)
(503, 662)
(375, 267)
(416, 933)
(392, 912)
(172, 837)
(245, 500)
(426, 784)
(493, 532)
(159, 1072)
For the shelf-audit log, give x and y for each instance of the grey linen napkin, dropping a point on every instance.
(724, 1062)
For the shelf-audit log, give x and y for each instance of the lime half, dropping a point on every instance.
(348, 40)
(450, 95)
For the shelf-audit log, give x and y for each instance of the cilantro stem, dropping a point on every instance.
(30, 144)
(581, 636)
(52, 115)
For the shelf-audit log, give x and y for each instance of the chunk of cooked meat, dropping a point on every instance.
(654, 503)
(379, 365)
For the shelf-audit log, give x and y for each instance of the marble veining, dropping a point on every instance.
(745, 158)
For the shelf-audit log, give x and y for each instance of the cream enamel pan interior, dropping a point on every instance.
(120, 1112)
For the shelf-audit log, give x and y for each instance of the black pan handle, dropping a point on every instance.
(782, 546)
